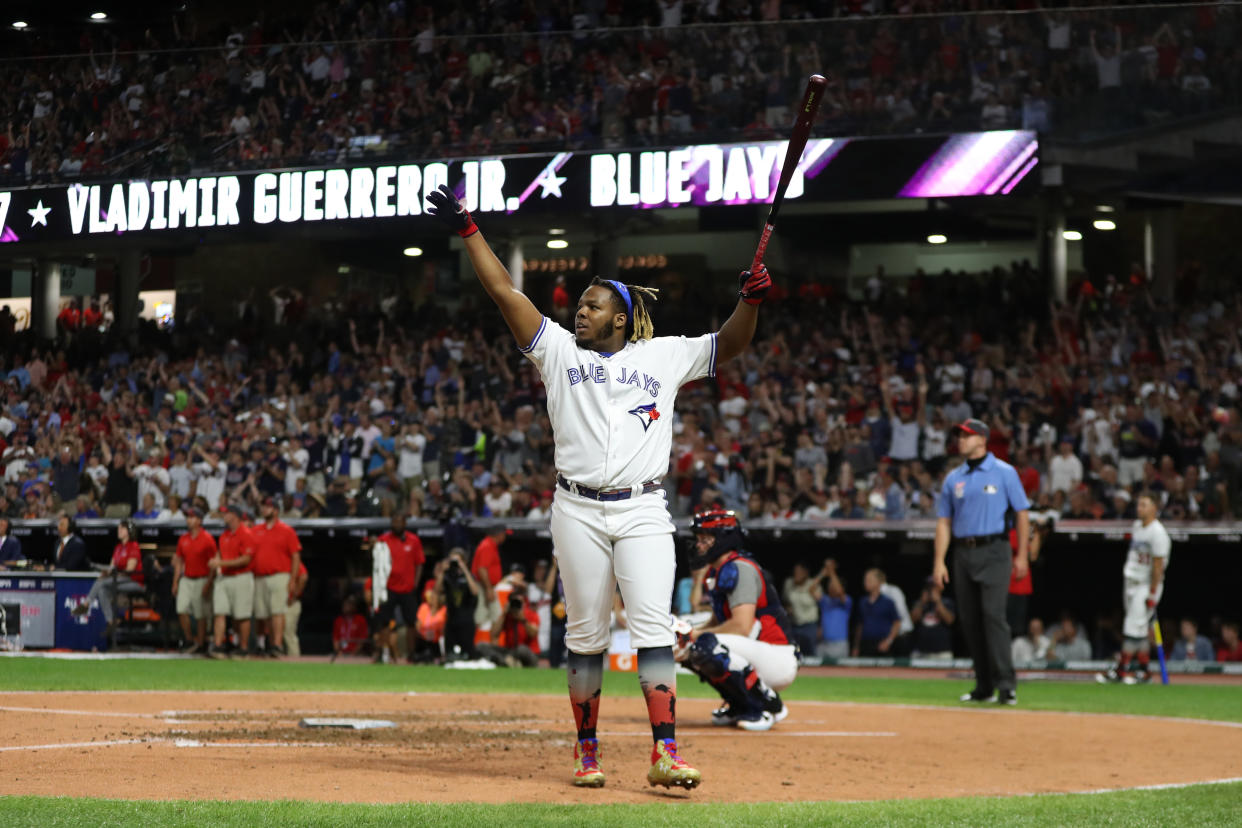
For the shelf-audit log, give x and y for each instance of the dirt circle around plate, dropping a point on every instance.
(518, 748)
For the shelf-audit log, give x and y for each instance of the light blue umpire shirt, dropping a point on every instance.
(977, 499)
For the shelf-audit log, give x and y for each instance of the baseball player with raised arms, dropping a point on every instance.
(746, 650)
(611, 388)
(1144, 571)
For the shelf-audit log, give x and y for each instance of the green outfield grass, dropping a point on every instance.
(1204, 805)
(1199, 805)
(1202, 701)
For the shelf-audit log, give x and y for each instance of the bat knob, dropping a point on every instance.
(817, 80)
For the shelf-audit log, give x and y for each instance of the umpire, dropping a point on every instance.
(974, 503)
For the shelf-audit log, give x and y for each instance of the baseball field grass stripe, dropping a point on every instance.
(1191, 701)
(1199, 805)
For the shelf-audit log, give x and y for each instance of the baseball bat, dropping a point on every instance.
(793, 154)
(1164, 668)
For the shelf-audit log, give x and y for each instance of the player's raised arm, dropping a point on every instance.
(737, 331)
(519, 312)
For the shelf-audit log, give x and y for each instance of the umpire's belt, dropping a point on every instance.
(978, 540)
(604, 494)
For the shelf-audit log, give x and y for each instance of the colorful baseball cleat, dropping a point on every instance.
(669, 769)
(587, 773)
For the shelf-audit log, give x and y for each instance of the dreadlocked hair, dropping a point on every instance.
(638, 325)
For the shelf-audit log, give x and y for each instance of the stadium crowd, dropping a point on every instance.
(417, 80)
(365, 407)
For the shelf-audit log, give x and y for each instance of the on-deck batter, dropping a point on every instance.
(610, 388)
(1145, 568)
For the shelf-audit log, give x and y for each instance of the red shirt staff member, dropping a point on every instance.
(192, 579)
(234, 585)
(278, 553)
(124, 575)
(293, 612)
(406, 552)
(485, 567)
(1020, 589)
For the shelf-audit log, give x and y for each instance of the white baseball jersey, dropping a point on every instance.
(612, 415)
(1146, 542)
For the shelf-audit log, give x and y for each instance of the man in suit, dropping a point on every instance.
(70, 549)
(10, 547)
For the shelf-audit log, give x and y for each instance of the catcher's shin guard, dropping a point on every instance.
(735, 680)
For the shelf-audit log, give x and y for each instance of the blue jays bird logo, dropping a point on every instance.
(646, 414)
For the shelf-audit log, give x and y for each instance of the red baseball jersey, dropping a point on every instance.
(235, 544)
(123, 554)
(195, 552)
(275, 546)
(407, 554)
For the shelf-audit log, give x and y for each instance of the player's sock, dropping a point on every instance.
(586, 679)
(1144, 660)
(657, 675)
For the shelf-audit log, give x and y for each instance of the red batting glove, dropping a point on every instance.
(1151, 602)
(755, 285)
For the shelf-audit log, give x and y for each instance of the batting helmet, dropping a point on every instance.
(721, 524)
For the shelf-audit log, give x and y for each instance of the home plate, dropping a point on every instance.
(351, 724)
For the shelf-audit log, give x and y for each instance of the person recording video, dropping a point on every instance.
(461, 595)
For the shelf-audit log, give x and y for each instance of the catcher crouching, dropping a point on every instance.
(746, 651)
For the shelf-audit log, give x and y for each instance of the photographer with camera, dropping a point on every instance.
(461, 594)
(515, 635)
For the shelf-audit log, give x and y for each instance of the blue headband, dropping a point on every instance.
(625, 296)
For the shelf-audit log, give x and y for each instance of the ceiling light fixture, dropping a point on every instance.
(1071, 235)
(557, 244)
(937, 238)
(1104, 224)
(413, 251)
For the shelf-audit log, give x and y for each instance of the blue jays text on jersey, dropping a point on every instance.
(596, 373)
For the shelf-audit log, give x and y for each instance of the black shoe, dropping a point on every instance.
(274, 651)
(239, 653)
(977, 695)
(1009, 697)
(189, 648)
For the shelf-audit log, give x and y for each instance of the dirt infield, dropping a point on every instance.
(489, 748)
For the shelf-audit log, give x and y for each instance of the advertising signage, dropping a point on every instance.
(985, 163)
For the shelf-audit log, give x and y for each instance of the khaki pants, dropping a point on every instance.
(271, 595)
(190, 598)
(293, 612)
(233, 596)
(117, 510)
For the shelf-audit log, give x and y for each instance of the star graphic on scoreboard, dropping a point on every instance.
(38, 214)
(551, 184)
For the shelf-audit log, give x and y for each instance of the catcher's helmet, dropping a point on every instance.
(724, 526)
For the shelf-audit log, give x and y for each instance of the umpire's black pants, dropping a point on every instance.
(981, 585)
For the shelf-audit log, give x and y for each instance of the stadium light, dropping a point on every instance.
(1104, 224)
(99, 16)
(937, 238)
(1071, 235)
(413, 251)
(557, 231)
(1105, 208)
(557, 244)
(19, 24)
